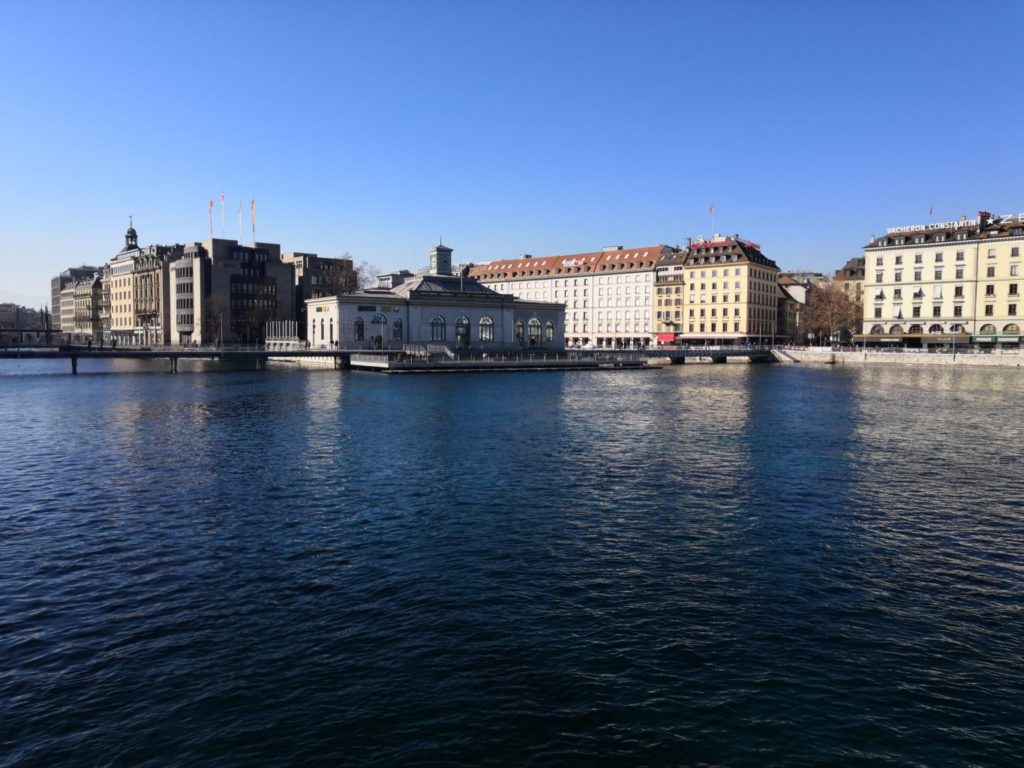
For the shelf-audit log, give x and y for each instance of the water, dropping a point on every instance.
(725, 565)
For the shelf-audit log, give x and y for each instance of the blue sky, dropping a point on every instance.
(520, 127)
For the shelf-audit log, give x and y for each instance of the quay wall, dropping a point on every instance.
(849, 357)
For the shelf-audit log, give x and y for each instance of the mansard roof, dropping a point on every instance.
(618, 259)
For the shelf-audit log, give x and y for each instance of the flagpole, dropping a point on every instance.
(211, 217)
(254, 219)
(222, 214)
(239, 221)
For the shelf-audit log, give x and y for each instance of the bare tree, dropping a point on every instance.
(366, 274)
(830, 312)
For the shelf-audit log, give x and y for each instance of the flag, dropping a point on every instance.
(253, 213)
(929, 210)
(711, 209)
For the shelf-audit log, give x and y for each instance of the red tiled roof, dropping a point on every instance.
(547, 266)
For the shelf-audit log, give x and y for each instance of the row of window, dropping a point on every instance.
(960, 256)
(959, 274)
(958, 311)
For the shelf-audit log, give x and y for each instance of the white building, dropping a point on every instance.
(608, 294)
(455, 311)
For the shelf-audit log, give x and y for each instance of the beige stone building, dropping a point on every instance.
(731, 294)
(850, 279)
(669, 298)
(955, 281)
(139, 290)
(88, 293)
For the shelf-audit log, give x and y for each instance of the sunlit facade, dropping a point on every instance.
(956, 281)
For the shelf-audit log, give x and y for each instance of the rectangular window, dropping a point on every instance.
(938, 274)
(959, 273)
(989, 309)
(937, 311)
(917, 274)
(938, 258)
(990, 290)
(990, 272)
(878, 261)
(1011, 310)
(897, 293)
(959, 255)
(918, 258)
(958, 292)
(958, 311)
(899, 259)
(1013, 289)
(917, 312)
(1014, 270)
(878, 277)
(1015, 251)
(899, 277)
(991, 253)
(878, 312)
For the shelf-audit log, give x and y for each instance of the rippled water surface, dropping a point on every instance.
(726, 565)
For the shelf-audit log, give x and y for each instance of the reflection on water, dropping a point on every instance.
(737, 565)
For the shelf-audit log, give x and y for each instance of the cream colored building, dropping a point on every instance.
(608, 294)
(139, 291)
(947, 281)
(732, 293)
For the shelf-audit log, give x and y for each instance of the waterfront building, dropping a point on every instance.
(439, 308)
(850, 279)
(732, 292)
(316, 277)
(138, 289)
(66, 303)
(87, 297)
(669, 297)
(792, 300)
(955, 281)
(608, 294)
(59, 283)
(225, 292)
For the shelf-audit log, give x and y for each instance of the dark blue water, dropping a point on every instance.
(725, 565)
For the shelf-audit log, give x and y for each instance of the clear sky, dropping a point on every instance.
(506, 127)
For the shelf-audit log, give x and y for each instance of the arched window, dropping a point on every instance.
(1012, 329)
(915, 329)
(358, 329)
(876, 329)
(332, 330)
(378, 333)
(956, 328)
(534, 326)
(396, 330)
(486, 329)
(321, 329)
(896, 329)
(462, 333)
(935, 328)
(987, 330)
(438, 329)
(519, 331)
(549, 332)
